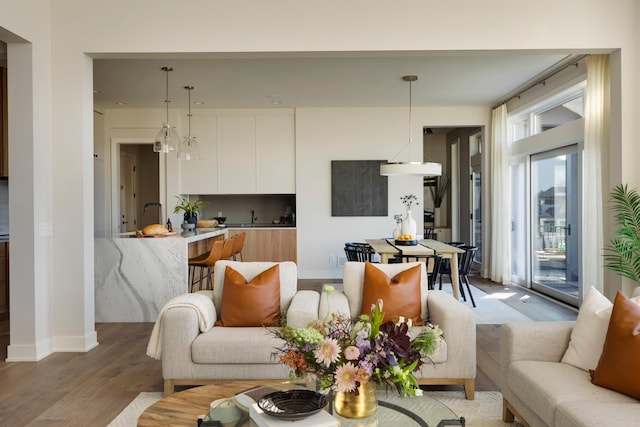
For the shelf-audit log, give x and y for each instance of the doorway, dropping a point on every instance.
(136, 185)
(554, 228)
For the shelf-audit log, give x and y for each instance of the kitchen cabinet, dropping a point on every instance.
(4, 129)
(4, 278)
(243, 152)
(237, 148)
(269, 244)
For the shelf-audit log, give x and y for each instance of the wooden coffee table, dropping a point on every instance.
(184, 407)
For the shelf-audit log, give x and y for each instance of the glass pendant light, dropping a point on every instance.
(167, 139)
(410, 168)
(189, 147)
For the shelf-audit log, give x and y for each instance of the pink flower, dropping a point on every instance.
(351, 352)
(327, 352)
(346, 377)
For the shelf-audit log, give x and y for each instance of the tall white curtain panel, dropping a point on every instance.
(500, 211)
(596, 143)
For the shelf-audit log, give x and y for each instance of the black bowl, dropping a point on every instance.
(220, 219)
(292, 404)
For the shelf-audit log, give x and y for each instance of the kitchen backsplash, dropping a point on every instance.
(237, 208)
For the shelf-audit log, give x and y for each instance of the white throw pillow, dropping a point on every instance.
(590, 331)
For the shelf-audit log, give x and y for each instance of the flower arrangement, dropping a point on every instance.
(343, 354)
(398, 218)
(408, 200)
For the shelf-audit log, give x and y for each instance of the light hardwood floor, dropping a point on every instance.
(78, 389)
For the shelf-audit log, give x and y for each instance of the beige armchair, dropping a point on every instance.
(455, 361)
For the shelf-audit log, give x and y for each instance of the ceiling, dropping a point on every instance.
(295, 80)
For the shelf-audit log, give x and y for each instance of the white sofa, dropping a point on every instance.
(455, 361)
(192, 357)
(541, 391)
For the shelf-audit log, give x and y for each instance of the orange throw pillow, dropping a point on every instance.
(619, 365)
(256, 303)
(400, 294)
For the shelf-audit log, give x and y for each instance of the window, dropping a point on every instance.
(557, 110)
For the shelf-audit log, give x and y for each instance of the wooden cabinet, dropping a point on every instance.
(4, 129)
(201, 247)
(4, 278)
(243, 152)
(271, 244)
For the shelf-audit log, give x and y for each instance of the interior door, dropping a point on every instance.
(127, 192)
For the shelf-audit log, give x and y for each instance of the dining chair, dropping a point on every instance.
(432, 263)
(356, 251)
(465, 261)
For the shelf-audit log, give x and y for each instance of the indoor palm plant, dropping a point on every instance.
(622, 254)
(191, 210)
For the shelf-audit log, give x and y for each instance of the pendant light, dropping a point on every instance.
(167, 139)
(189, 148)
(410, 168)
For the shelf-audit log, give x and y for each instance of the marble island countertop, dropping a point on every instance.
(135, 277)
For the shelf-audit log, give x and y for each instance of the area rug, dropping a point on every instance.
(484, 411)
(489, 307)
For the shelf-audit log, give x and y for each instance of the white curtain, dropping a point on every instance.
(596, 136)
(499, 208)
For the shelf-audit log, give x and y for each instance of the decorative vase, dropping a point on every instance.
(191, 219)
(409, 225)
(397, 231)
(361, 405)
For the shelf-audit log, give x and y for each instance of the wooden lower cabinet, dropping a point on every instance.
(4, 278)
(271, 244)
(201, 247)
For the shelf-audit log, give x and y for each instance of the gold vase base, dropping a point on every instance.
(357, 406)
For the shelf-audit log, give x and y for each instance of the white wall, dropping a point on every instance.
(55, 110)
(329, 134)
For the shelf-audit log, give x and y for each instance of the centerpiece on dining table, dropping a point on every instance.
(351, 356)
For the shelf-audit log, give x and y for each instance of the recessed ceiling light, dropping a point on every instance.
(276, 102)
(198, 102)
(121, 103)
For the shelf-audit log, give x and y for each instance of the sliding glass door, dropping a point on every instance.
(554, 231)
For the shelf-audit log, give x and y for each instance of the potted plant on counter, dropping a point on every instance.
(191, 210)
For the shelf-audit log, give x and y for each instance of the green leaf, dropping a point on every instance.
(622, 254)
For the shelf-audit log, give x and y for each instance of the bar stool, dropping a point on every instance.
(238, 245)
(203, 262)
(227, 248)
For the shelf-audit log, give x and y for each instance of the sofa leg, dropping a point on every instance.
(169, 387)
(470, 388)
(507, 415)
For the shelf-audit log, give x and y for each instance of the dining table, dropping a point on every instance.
(388, 249)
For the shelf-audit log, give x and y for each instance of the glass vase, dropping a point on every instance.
(361, 405)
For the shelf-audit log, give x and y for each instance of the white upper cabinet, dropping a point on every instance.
(243, 152)
(276, 155)
(237, 148)
(201, 176)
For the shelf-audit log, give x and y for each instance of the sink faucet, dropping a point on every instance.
(146, 206)
(253, 216)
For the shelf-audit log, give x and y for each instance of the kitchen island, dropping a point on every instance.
(135, 277)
